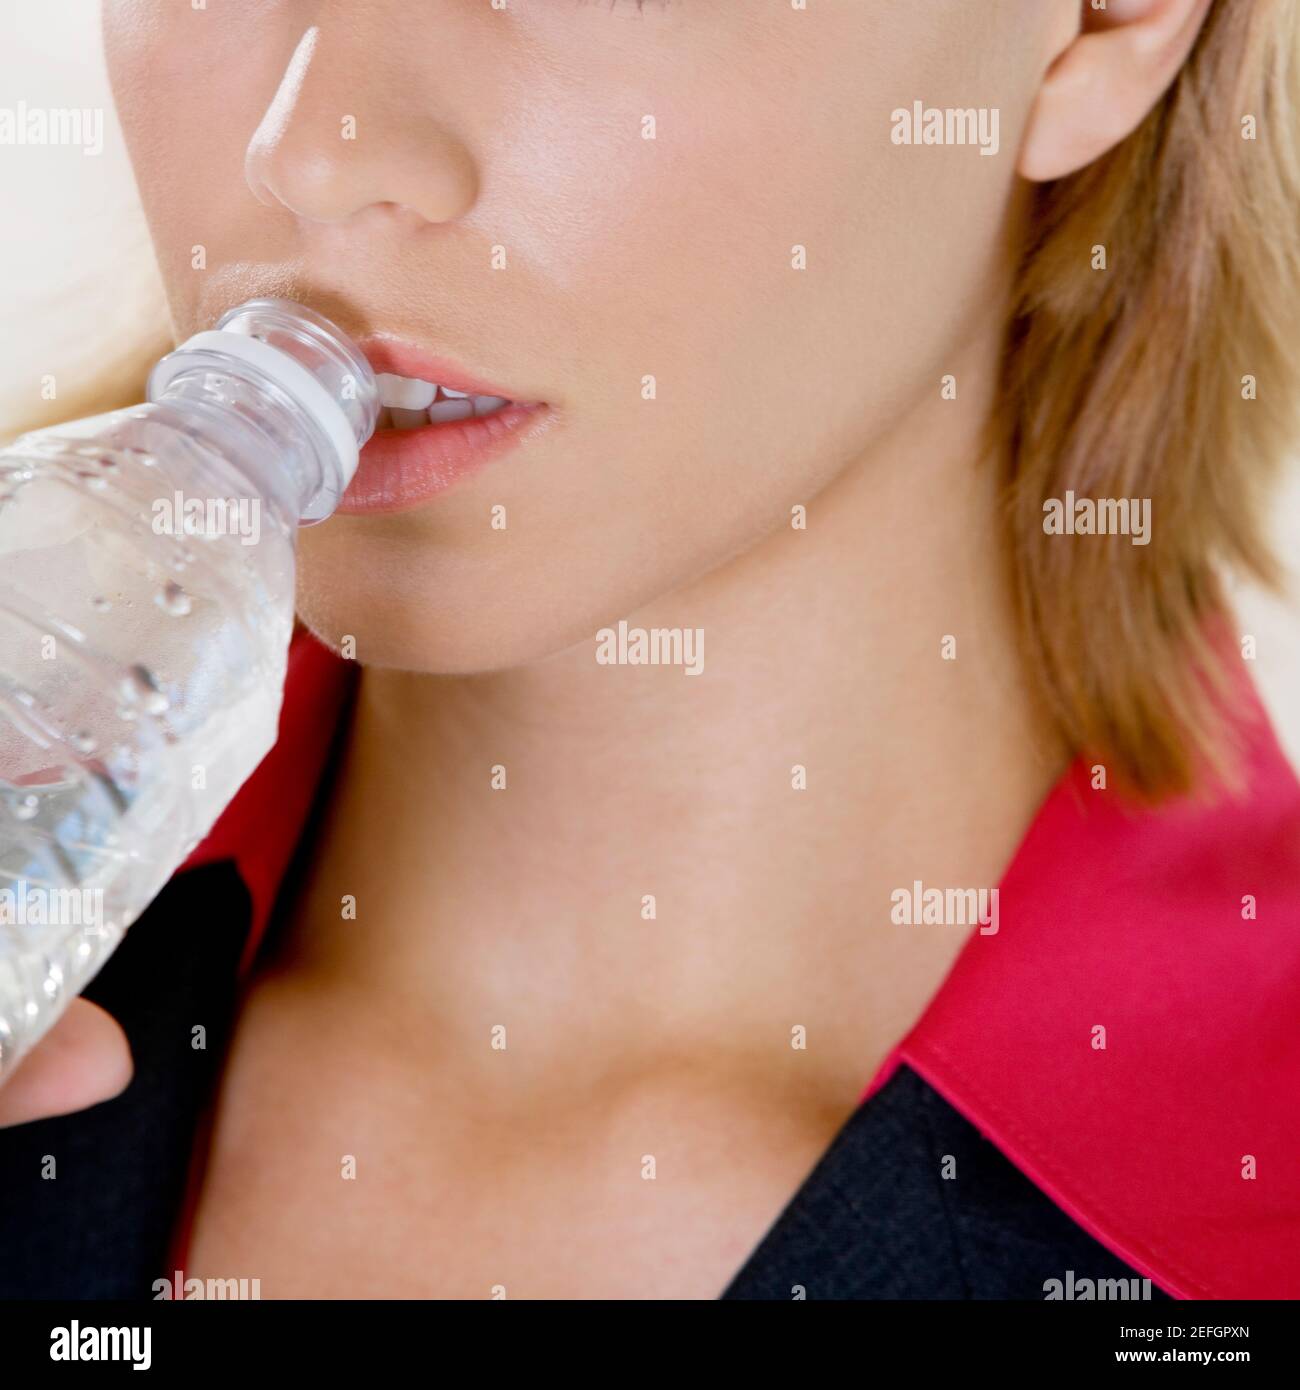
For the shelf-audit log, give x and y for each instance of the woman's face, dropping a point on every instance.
(497, 200)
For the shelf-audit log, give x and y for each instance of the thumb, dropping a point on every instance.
(84, 1059)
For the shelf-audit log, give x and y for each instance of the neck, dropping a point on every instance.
(824, 650)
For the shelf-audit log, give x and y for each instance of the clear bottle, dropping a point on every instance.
(146, 607)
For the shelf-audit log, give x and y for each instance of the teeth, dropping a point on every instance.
(459, 408)
(406, 403)
(404, 392)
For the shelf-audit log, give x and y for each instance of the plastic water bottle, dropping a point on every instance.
(146, 607)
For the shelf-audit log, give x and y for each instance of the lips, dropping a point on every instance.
(439, 425)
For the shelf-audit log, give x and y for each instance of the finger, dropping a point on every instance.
(84, 1059)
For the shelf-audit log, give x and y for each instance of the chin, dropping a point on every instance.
(410, 631)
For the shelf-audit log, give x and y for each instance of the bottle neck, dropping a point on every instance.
(255, 429)
(294, 375)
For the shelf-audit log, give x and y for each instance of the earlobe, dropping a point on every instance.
(1103, 85)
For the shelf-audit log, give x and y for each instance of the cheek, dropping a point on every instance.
(789, 277)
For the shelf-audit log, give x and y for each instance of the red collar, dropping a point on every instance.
(1111, 918)
(1132, 921)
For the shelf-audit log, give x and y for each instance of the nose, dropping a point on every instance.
(316, 155)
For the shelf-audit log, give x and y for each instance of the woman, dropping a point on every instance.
(884, 386)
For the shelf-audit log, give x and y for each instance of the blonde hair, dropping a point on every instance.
(1130, 382)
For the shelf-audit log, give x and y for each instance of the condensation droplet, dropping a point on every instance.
(140, 689)
(83, 742)
(26, 807)
(173, 599)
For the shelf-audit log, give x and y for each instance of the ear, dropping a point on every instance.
(1122, 59)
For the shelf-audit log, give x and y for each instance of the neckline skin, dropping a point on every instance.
(1110, 911)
